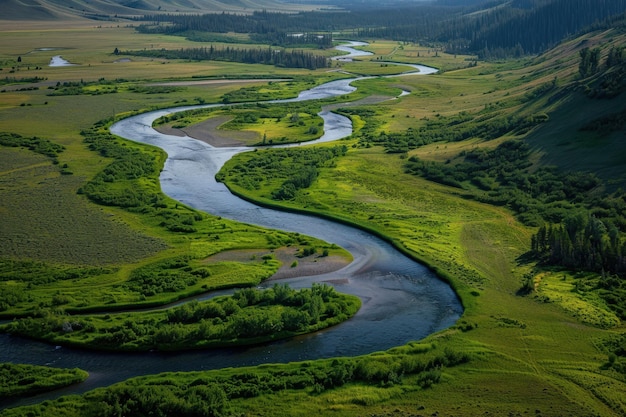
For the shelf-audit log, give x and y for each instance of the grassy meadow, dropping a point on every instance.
(125, 241)
(545, 354)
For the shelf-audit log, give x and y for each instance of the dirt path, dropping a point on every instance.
(209, 132)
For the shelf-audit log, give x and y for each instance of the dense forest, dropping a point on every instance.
(264, 27)
(500, 29)
(267, 56)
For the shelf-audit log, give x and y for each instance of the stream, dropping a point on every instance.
(402, 300)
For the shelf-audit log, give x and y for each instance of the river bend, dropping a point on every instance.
(402, 299)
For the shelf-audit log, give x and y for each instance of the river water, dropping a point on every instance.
(402, 300)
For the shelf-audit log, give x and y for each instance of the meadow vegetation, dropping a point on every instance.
(22, 380)
(269, 124)
(249, 316)
(138, 228)
(533, 339)
(413, 368)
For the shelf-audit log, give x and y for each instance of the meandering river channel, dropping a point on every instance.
(402, 300)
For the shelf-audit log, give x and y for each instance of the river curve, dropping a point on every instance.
(402, 300)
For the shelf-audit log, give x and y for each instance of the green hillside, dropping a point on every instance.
(506, 177)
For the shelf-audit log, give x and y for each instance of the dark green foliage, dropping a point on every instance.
(161, 400)
(35, 144)
(268, 56)
(583, 242)
(512, 29)
(249, 316)
(300, 179)
(532, 30)
(610, 82)
(38, 273)
(453, 129)
(154, 89)
(589, 61)
(297, 167)
(123, 182)
(22, 380)
(129, 165)
(263, 27)
(605, 125)
(503, 177)
(215, 393)
(171, 275)
(616, 56)
(76, 88)
(615, 346)
(24, 80)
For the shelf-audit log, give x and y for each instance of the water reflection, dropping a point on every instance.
(402, 300)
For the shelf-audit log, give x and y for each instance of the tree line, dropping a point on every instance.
(511, 29)
(264, 27)
(581, 241)
(267, 56)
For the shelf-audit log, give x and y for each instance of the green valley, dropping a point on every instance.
(503, 173)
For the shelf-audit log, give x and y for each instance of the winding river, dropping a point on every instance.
(402, 300)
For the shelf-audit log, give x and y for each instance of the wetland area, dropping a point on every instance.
(402, 300)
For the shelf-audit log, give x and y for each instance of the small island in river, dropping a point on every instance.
(249, 316)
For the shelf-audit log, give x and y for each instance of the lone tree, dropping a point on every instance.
(116, 51)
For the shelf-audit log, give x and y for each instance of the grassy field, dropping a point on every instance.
(524, 341)
(544, 354)
(33, 183)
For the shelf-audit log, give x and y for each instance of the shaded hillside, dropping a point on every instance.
(56, 9)
(587, 123)
(498, 28)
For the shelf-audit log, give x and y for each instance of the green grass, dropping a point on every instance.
(36, 186)
(542, 354)
(562, 144)
(259, 124)
(23, 380)
(248, 317)
(477, 248)
(127, 243)
(348, 384)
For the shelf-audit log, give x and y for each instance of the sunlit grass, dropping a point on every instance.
(530, 355)
(560, 288)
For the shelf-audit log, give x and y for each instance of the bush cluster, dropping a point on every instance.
(297, 168)
(35, 144)
(215, 393)
(249, 316)
(501, 176)
(453, 129)
(20, 379)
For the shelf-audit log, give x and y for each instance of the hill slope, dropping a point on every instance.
(56, 9)
(586, 129)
